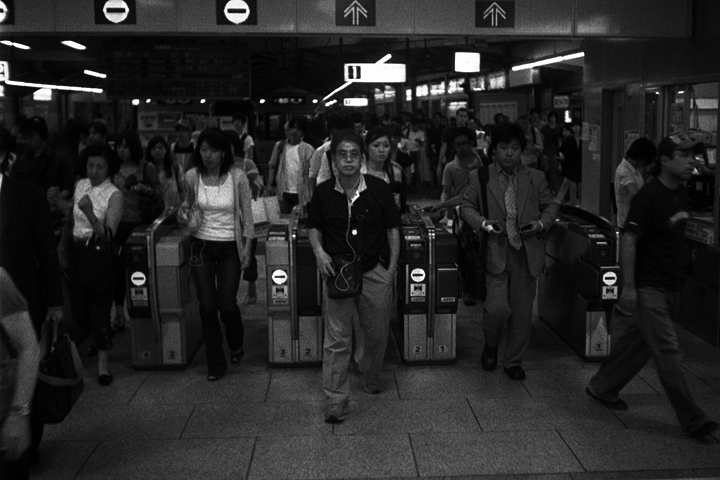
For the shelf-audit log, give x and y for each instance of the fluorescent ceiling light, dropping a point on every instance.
(15, 44)
(94, 74)
(548, 61)
(75, 45)
(136, 101)
(42, 95)
(347, 84)
(467, 62)
(54, 87)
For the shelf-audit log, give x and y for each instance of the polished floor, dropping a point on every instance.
(454, 421)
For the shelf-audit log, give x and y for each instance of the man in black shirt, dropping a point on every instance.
(354, 215)
(652, 251)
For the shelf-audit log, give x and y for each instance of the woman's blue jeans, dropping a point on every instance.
(215, 267)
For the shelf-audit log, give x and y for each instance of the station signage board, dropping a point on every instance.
(355, 13)
(115, 12)
(236, 12)
(495, 14)
(7, 12)
(375, 72)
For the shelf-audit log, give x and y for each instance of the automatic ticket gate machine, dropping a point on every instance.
(428, 287)
(294, 295)
(579, 288)
(161, 299)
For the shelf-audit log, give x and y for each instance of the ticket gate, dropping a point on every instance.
(161, 300)
(428, 290)
(294, 295)
(579, 288)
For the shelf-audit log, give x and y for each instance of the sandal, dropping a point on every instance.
(214, 377)
(235, 357)
(119, 323)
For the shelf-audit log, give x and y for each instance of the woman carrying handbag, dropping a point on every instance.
(218, 214)
(96, 213)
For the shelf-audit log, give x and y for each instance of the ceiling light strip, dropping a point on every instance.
(75, 45)
(548, 61)
(15, 44)
(94, 74)
(54, 87)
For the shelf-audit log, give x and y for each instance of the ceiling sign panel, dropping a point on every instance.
(7, 12)
(498, 17)
(237, 16)
(115, 12)
(639, 18)
(236, 12)
(356, 16)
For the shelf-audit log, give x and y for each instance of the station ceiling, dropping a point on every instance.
(311, 63)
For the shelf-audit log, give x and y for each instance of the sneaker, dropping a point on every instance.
(335, 413)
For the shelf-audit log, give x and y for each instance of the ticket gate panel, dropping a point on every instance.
(444, 337)
(281, 344)
(310, 339)
(597, 340)
(415, 337)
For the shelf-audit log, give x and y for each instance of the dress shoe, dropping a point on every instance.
(335, 413)
(373, 387)
(105, 379)
(612, 405)
(488, 358)
(468, 299)
(515, 373)
(704, 430)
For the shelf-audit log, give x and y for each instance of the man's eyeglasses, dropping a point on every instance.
(462, 144)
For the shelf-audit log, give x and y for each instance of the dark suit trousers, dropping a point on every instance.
(510, 297)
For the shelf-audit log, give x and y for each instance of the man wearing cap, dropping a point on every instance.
(653, 247)
(183, 147)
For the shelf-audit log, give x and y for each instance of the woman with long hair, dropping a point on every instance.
(138, 182)
(217, 211)
(171, 177)
(380, 163)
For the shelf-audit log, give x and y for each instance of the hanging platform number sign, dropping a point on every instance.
(115, 12)
(7, 12)
(236, 12)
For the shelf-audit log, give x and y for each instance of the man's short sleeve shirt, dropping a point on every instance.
(658, 216)
(339, 221)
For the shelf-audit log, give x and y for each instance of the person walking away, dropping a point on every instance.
(218, 213)
(354, 216)
(653, 253)
(520, 209)
(571, 158)
(628, 178)
(551, 135)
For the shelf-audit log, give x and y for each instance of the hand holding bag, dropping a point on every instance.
(60, 379)
(189, 215)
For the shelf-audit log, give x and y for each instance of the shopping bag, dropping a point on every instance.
(266, 211)
(60, 377)
(272, 207)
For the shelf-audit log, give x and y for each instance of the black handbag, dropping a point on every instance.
(60, 377)
(93, 263)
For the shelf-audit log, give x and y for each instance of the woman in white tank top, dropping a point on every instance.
(218, 207)
(97, 210)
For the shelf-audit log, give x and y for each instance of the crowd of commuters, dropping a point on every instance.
(504, 182)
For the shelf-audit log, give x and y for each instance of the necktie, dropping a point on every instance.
(511, 208)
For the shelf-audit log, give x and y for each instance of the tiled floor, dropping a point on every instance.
(435, 422)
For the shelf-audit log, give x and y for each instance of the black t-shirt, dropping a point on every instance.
(658, 216)
(375, 208)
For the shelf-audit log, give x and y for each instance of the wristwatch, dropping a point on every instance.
(20, 410)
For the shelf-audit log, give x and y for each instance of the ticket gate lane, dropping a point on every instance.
(579, 287)
(166, 330)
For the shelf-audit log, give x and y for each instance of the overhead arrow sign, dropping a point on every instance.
(493, 11)
(495, 14)
(355, 13)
